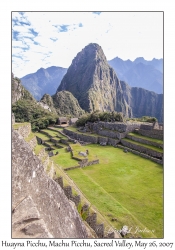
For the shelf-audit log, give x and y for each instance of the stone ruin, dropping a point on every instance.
(40, 208)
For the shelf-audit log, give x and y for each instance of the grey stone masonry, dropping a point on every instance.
(24, 130)
(58, 219)
(154, 133)
(145, 141)
(120, 127)
(141, 154)
(59, 180)
(13, 118)
(90, 138)
(70, 196)
(142, 149)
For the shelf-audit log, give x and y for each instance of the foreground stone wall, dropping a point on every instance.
(142, 149)
(33, 142)
(13, 118)
(24, 130)
(39, 205)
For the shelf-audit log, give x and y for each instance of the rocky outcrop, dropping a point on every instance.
(17, 89)
(40, 208)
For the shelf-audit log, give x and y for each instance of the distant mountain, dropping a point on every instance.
(96, 86)
(140, 73)
(44, 81)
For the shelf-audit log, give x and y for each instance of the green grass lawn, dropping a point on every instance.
(57, 129)
(146, 138)
(29, 137)
(42, 136)
(78, 148)
(52, 133)
(144, 145)
(38, 148)
(64, 159)
(126, 187)
(17, 125)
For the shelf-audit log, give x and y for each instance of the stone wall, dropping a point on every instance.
(38, 200)
(146, 126)
(148, 142)
(154, 133)
(91, 138)
(92, 221)
(120, 127)
(45, 133)
(141, 154)
(13, 118)
(111, 134)
(81, 137)
(33, 142)
(70, 196)
(24, 130)
(113, 142)
(142, 149)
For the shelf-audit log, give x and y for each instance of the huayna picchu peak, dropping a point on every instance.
(96, 87)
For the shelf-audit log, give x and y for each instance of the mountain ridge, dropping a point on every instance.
(140, 72)
(43, 81)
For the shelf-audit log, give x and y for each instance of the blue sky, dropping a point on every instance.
(44, 39)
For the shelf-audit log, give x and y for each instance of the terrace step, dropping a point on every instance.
(145, 140)
(142, 148)
(141, 154)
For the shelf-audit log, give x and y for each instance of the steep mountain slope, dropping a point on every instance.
(26, 108)
(63, 103)
(140, 73)
(144, 76)
(44, 81)
(93, 82)
(143, 102)
(66, 104)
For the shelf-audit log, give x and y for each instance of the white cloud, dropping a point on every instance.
(123, 34)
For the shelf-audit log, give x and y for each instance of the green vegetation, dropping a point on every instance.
(26, 110)
(17, 125)
(42, 136)
(51, 133)
(38, 149)
(76, 148)
(30, 137)
(143, 119)
(144, 145)
(99, 116)
(64, 159)
(146, 138)
(126, 187)
(66, 104)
